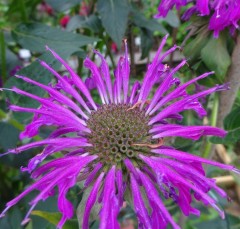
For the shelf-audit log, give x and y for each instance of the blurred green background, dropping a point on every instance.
(73, 28)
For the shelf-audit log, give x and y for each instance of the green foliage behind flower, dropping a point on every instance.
(100, 24)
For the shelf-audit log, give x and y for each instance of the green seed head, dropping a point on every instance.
(114, 131)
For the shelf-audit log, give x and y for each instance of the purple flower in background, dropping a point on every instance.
(117, 146)
(15, 70)
(223, 13)
(166, 5)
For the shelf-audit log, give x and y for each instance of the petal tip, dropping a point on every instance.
(25, 221)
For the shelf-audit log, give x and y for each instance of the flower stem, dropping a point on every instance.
(105, 39)
(80, 66)
(3, 57)
(213, 122)
(215, 110)
(23, 11)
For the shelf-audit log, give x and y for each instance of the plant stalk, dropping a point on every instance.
(3, 58)
(23, 11)
(213, 122)
(109, 53)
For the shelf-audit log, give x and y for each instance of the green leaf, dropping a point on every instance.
(114, 17)
(230, 222)
(232, 125)
(81, 208)
(16, 218)
(54, 218)
(232, 137)
(21, 10)
(216, 57)
(8, 136)
(63, 5)
(4, 223)
(151, 24)
(232, 120)
(146, 42)
(92, 22)
(12, 220)
(213, 224)
(200, 68)
(172, 19)
(183, 144)
(193, 49)
(128, 198)
(35, 36)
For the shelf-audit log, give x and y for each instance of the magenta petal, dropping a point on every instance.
(165, 85)
(98, 79)
(180, 155)
(51, 117)
(154, 197)
(134, 90)
(132, 169)
(151, 73)
(202, 6)
(192, 132)
(87, 140)
(92, 174)
(139, 206)
(54, 94)
(173, 175)
(64, 205)
(110, 206)
(57, 176)
(77, 80)
(120, 186)
(188, 102)
(224, 13)
(125, 73)
(91, 201)
(64, 142)
(51, 105)
(66, 86)
(106, 75)
(118, 81)
(178, 92)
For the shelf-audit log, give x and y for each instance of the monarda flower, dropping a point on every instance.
(117, 147)
(223, 13)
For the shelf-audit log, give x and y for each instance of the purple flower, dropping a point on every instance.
(15, 70)
(223, 13)
(118, 145)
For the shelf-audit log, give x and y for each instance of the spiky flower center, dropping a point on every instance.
(116, 131)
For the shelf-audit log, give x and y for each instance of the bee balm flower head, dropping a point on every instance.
(223, 13)
(118, 145)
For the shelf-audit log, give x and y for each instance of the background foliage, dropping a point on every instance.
(73, 28)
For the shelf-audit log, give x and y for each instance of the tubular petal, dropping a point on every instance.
(139, 206)
(91, 201)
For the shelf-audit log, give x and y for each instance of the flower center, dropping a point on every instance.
(115, 132)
